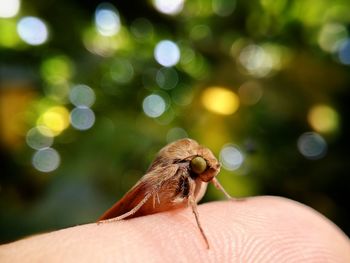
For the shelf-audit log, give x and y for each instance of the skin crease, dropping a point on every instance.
(259, 229)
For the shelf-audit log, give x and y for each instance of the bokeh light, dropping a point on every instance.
(231, 157)
(312, 145)
(223, 7)
(187, 54)
(323, 119)
(149, 77)
(142, 28)
(57, 69)
(46, 160)
(32, 30)
(195, 65)
(167, 117)
(57, 92)
(121, 71)
(220, 100)
(104, 46)
(256, 60)
(39, 138)
(82, 118)
(107, 19)
(169, 7)
(200, 32)
(272, 6)
(167, 78)
(167, 53)
(154, 105)
(9, 8)
(250, 93)
(130, 77)
(8, 33)
(182, 95)
(176, 133)
(55, 118)
(331, 36)
(344, 52)
(82, 95)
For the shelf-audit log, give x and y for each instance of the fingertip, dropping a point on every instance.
(273, 228)
(259, 229)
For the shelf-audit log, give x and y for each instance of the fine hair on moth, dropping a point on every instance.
(177, 178)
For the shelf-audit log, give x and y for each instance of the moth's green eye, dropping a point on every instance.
(198, 165)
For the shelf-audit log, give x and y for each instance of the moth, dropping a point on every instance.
(177, 178)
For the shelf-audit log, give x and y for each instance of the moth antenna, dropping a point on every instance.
(219, 186)
(131, 212)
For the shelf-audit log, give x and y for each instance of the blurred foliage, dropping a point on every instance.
(88, 95)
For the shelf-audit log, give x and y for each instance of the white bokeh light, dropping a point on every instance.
(46, 160)
(39, 137)
(82, 95)
(154, 106)
(82, 118)
(312, 145)
(169, 7)
(256, 60)
(32, 30)
(167, 53)
(231, 157)
(9, 8)
(107, 20)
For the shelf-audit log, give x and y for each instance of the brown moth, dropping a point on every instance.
(177, 178)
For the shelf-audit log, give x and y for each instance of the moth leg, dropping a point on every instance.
(193, 204)
(131, 212)
(155, 195)
(222, 189)
(158, 199)
(154, 201)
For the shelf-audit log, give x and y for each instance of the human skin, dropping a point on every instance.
(259, 229)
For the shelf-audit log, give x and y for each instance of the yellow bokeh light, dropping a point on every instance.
(220, 100)
(56, 119)
(323, 119)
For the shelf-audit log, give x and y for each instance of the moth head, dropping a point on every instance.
(205, 169)
(201, 160)
(198, 164)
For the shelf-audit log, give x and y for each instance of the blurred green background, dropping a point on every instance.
(91, 90)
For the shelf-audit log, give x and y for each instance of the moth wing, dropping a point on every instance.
(147, 186)
(127, 203)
